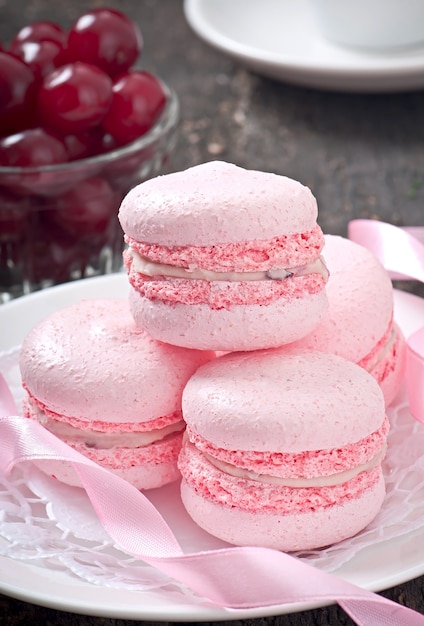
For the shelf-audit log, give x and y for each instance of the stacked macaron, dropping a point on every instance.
(105, 387)
(224, 258)
(286, 434)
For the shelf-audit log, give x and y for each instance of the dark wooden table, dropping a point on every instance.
(362, 156)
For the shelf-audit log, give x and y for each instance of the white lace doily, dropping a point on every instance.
(53, 525)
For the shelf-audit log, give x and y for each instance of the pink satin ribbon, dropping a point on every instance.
(401, 251)
(236, 578)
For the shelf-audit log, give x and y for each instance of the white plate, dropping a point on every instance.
(279, 39)
(378, 567)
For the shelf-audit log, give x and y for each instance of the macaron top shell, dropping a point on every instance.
(216, 203)
(91, 362)
(282, 400)
(360, 297)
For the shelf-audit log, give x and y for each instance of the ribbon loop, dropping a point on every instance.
(400, 250)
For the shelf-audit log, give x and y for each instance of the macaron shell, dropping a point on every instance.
(216, 202)
(282, 400)
(241, 327)
(90, 361)
(287, 532)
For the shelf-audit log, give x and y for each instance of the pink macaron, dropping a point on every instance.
(359, 324)
(283, 449)
(224, 258)
(102, 385)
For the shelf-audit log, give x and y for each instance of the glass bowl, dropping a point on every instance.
(59, 222)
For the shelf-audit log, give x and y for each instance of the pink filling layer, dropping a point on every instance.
(212, 484)
(222, 294)
(103, 427)
(307, 464)
(163, 451)
(259, 255)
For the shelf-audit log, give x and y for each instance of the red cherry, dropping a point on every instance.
(41, 56)
(30, 148)
(39, 31)
(87, 210)
(138, 101)
(83, 145)
(74, 97)
(17, 94)
(89, 143)
(105, 38)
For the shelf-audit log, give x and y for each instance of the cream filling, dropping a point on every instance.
(319, 481)
(143, 265)
(384, 351)
(105, 441)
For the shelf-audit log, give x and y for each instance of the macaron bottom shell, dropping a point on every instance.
(240, 327)
(288, 532)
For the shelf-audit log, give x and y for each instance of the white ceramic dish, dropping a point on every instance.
(377, 567)
(278, 38)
